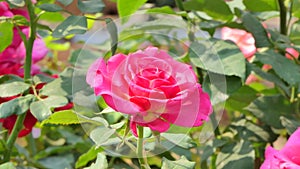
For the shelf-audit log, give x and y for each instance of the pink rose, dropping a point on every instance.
(286, 158)
(291, 53)
(13, 57)
(151, 87)
(242, 39)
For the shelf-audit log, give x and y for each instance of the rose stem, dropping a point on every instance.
(140, 148)
(27, 75)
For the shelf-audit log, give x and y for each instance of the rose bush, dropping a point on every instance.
(151, 87)
(286, 158)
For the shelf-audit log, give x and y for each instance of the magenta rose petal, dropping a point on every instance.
(288, 157)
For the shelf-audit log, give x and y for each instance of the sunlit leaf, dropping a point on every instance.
(128, 7)
(6, 34)
(8, 165)
(264, 5)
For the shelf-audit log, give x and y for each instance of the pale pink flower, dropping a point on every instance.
(151, 87)
(291, 53)
(244, 40)
(286, 158)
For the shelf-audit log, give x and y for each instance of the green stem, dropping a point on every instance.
(293, 90)
(27, 75)
(140, 149)
(282, 8)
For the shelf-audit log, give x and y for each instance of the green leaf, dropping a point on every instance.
(83, 58)
(264, 5)
(13, 88)
(16, 106)
(128, 7)
(197, 5)
(41, 110)
(220, 87)
(51, 150)
(217, 56)
(52, 17)
(50, 7)
(65, 2)
(252, 132)
(295, 33)
(241, 98)
(283, 67)
(236, 155)
(62, 86)
(90, 6)
(218, 9)
(182, 163)
(55, 162)
(6, 35)
(254, 26)
(268, 76)
(101, 134)
(65, 117)
(291, 124)
(269, 109)
(161, 23)
(85, 158)
(101, 162)
(181, 140)
(72, 25)
(295, 9)
(113, 32)
(163, 10)
(17, 3)
(8, 165)
(41, 78)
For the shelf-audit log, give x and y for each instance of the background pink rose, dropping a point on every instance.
(12, 58)
(286, 158)
(153, 88)
(242, 39)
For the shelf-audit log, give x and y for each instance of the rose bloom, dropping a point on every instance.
(244, 40)
(151, 87)
(286, 158)
(13, 57)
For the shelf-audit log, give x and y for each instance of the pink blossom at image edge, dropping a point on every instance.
(286, 158)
